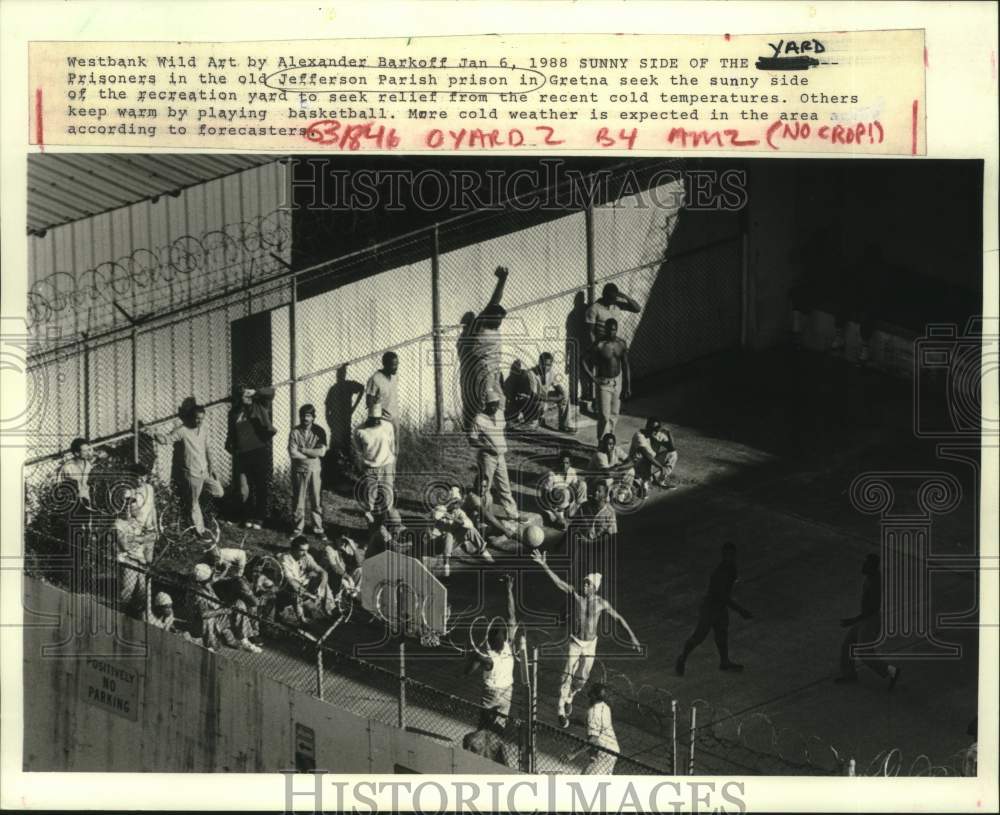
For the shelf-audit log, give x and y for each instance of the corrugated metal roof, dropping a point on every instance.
(66, 187)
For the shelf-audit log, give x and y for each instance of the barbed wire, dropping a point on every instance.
(237, 254)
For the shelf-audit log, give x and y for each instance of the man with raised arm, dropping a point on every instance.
(609, 306)
(585, 612)
(497, 663)
(198, 471)
(481, 349)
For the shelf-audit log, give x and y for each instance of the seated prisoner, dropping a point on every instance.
(654, 455)
(563, 492)
(459, 535)
(306, 587)
(135, 535)
(611, 465)
(161, 614)
(343, 560)
(212, 620)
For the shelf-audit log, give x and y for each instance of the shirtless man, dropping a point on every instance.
(607, 364)
(586, 611)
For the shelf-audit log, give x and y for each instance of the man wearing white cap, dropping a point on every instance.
(586, 611)
(457, 531)
(162, 615)
(488, 439)
(375, 444)
(212, 620)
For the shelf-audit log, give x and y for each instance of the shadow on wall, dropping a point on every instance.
(342, 401)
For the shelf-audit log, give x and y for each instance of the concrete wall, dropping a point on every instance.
(187, 710)
(809, 217)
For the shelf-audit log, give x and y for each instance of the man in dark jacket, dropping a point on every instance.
(714, 613)
(487, 739)
(248, 441)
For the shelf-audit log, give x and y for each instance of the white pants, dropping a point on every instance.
(498, 698)
(601, 763)
(579, 662)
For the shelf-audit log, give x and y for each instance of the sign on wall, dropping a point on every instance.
(111, 687)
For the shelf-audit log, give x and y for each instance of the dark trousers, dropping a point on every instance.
(253, 475)
(715, 620)
(863, 632)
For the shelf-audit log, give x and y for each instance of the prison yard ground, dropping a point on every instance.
(769, 446)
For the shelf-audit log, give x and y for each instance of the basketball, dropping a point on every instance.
(533, 537)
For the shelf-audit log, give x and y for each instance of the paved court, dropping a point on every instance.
(768, 448)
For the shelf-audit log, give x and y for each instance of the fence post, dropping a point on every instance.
(402, 684)
(319, 671)
(673, 733)
(86, 388)
(292, 361)
(694, 719)
(588, 219)
(135, 395)
(436, 329)
(532, 709)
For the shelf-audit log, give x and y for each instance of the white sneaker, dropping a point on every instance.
(246, 645)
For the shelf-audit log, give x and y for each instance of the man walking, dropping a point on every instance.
(198, 469)
(866, 628)
(607, 364)
(714, 614)
(601, 739)
(375, 444)
(488, 439)
(585, 612)
(248, 441)
(306, 448)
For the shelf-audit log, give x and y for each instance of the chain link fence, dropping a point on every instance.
(318, 333)
(77, 549)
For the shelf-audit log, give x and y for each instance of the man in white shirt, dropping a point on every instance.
(76, 468)
(375, 445)
(306, 448)
(136, 535)
(549, 392)
(488, 439)
(612, 464)
(458, 532)
(198, 469)
(600, 734)
(383, 389)
(497, 663)
(162, 614)
(305, 581)
(563, 492)
(610, 306)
